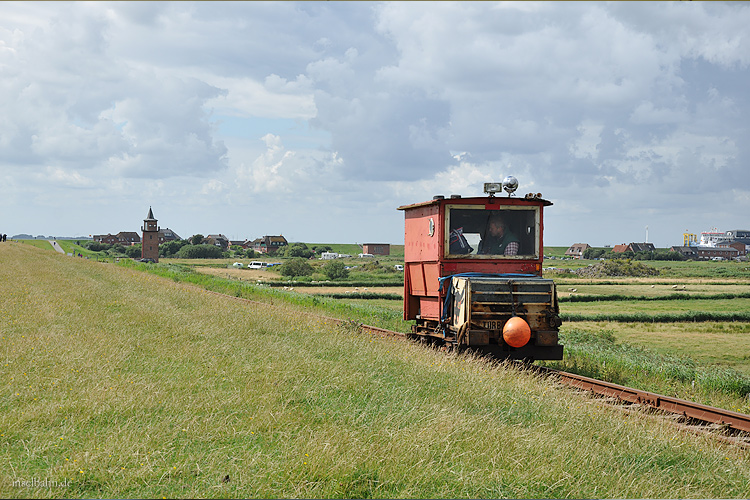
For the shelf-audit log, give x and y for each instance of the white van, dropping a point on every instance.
(256, 264)
(366, 255)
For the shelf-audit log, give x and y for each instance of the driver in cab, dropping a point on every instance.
(498, 239)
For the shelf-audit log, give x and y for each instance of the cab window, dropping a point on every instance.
(478, 233)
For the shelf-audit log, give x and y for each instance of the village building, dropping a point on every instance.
(740, 246)
(128, 238)
(577, 250)
(167, 234)
(717, 252)
(218, 240)
(689, 252)
(620, 248)
(634, 247)
(109, 238)
(269, 244)
(376, 248)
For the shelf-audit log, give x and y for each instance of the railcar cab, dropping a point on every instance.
(471, 264)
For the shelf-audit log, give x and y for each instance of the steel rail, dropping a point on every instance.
(688, 409)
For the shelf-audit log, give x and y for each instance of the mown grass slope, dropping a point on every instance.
(117, 383)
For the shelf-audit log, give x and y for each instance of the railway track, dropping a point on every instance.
(726, 425)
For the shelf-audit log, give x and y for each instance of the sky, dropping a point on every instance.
(317, 120)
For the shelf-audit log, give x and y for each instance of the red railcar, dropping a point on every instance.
(472, 264)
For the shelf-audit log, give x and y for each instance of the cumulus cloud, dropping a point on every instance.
(338, 104)
(69, 102)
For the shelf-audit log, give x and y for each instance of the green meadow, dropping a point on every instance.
(122, 383)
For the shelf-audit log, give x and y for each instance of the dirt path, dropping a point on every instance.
(56, 246)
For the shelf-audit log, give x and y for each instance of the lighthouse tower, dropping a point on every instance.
(150, 240)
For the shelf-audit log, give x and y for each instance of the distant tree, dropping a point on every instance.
(335, 269)
(133, 251)
(197, 239)
(668, 255)
(169, 248)
(296, 267)
(594, 253)
(241, 252)
(659, 255)
(96, 246)
(627, 254)
(298, 250)
(318, 249)
(117, 249)
(199, 252)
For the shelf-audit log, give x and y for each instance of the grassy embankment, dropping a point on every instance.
(687, 341)
(118, 383)
(640, 341)
(43, 244)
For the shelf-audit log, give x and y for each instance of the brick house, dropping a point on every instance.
(128, 238)
(109, 239)
(740, 246)
(711, 252)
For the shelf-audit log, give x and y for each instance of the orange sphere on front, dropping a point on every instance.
(516, 332)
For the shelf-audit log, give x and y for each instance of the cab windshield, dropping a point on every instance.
(479, 233)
